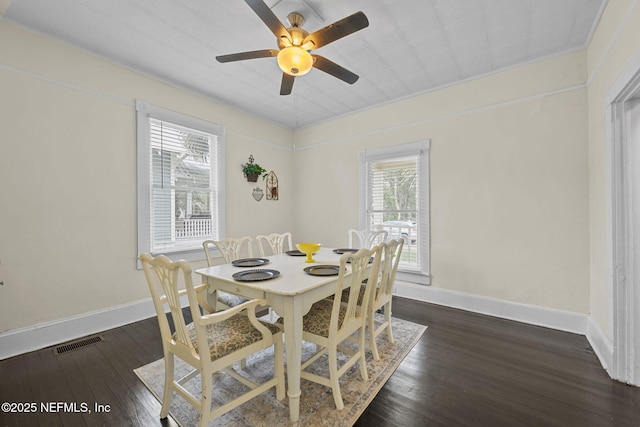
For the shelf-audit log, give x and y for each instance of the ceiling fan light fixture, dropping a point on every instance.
(295, 43)
(295, 61)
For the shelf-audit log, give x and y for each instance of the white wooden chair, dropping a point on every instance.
(383, 293)
(231, 249)
(330, 322)
(211, 343)
(277, 243)
(366, 238)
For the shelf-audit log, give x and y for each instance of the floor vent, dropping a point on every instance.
(77, 344)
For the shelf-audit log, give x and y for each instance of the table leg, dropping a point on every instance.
(212, 297)
(292, 314)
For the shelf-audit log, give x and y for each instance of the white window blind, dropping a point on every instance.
(180, 182)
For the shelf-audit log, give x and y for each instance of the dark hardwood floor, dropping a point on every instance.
(467, 370)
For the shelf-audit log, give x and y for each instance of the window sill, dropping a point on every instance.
(414, 277)
(191, 255)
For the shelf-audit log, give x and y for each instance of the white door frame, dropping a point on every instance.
(624, 258)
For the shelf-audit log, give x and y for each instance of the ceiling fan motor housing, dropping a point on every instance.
(297, 34)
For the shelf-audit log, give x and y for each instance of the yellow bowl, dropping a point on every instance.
(309, 249)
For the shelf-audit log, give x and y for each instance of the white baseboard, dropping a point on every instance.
(534, 315)
(600, 345)
(24, 340)
(577, 323)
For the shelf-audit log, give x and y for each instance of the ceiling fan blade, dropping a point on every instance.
(266, 53)
(337, 30)
(269, 18)
(330, 67)
(287, 84)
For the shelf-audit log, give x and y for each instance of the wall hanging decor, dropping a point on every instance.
(272, 186)
(258, 194)
(252, 170)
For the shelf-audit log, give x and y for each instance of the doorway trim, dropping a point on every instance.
(624, 288)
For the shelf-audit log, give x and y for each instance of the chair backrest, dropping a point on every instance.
(277, 243)
(164, 277)
(391, 251)
(364, 265)
(366, 238)
(230, 248)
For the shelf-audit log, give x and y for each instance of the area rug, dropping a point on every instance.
(317, 407)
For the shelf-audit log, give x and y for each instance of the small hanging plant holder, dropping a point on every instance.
(252, 170)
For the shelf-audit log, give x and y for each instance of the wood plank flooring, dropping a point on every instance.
(467, 370)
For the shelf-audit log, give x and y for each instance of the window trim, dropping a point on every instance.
(420, 148)
(144, 112)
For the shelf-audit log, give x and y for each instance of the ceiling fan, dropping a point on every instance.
(295, 44)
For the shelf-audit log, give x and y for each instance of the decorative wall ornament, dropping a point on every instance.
(272, 186)
(258, 194)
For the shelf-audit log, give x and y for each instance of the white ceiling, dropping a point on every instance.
(410, 46)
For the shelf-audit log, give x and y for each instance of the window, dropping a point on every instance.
(180, 182)
(394, 196)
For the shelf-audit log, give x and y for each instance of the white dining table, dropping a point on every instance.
(290, 294)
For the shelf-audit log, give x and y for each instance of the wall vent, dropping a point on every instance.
(77, 344)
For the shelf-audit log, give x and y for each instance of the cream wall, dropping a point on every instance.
(68, 177)
(615, 42)
(518, 179)
(509, 181)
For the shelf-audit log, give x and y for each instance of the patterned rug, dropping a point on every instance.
(317, 407)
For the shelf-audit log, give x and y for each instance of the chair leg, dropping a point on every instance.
(372, 336)
(363, 353)
(333, 378)
(387, 315)
(206, 379)
(168, 379)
